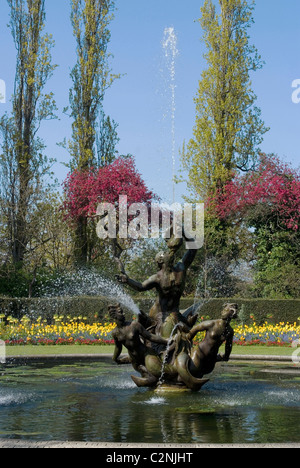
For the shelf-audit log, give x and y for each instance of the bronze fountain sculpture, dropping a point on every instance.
(160, 345)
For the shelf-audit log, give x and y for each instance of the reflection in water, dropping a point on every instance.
(99, 402)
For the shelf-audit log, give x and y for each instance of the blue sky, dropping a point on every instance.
(140, 101)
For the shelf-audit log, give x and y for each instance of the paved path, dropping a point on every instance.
(155, 447)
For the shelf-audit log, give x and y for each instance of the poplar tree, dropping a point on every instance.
(228, 128)
(91, 77)
(22, 162)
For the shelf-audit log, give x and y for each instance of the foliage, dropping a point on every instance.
(91, 75)
(228, 129)
(226, 136)
(84, 190)
(106, 140)
(277, 267)
(14, 282)
(252, 218)
(268, 201)
(272, 310)
(226, 246)
(23, 166)
(48, 252)
(267, 197)
(140, 261)
(94, 307)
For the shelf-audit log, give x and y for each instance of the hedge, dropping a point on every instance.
(274, 311)
(95, 308)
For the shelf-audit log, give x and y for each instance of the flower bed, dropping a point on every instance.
(282, 334)
(70, 331)
(62, 332)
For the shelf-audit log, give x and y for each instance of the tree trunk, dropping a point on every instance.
(81, 243)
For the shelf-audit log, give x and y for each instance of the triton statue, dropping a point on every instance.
(160, 345)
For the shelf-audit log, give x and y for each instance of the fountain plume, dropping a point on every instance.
(171, 52)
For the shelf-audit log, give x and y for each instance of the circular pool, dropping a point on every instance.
(97, 401)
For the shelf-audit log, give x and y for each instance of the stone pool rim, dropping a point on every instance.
(12, 443)
(105, 357)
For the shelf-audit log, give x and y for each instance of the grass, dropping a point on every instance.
(83, 349)
(56, 350)
(262, 350)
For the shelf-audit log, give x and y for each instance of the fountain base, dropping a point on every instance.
(167, 388)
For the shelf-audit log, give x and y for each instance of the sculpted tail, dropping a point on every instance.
(182, 365)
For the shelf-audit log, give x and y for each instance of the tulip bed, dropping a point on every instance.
(76, 330)
(282, 334)
(64, 331)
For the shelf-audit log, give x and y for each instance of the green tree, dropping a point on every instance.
(91, 77)
(228, 129)
(107, 140)
(277, 267)
(23, 165)
(267, 203)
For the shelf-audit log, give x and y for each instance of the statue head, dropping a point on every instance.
(164, 258)
(174, 243)
(230, 311)
(160, 259)
(116, 313)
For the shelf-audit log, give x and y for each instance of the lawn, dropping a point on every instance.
(75, 336)
(29, 350)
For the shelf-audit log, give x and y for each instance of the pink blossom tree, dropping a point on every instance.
(268, 202)
(270, 194)
(84, 190)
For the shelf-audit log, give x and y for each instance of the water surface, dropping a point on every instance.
(92, 401)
